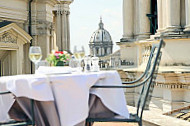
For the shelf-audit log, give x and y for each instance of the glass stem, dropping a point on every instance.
(36, 66)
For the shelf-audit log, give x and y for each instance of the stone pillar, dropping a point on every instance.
(91, 51)
(187, 9)
(128, 20)
(52, 37)
(64, 30)
(42, 23)
(164, 14)
(136, 18)
(160, 16)
(58, 28)
(144, 23)
(103, 52)
(94, 52)
(100, 51)
(108, 51)
(68, 32)
(173, 22)
(62, 27)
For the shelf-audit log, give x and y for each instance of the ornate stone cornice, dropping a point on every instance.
(68, 12)
(52, 2)
(66, 1)
(8, 37)
(16, 30)
(61, 9)
(64, 12)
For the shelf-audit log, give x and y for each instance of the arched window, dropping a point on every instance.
(97, 51)
(105, 51)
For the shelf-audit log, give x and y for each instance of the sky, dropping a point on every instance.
(85, 17)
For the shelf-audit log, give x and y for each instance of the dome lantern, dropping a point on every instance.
(101, 25)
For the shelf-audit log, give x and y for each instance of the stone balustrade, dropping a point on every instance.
(171, 89)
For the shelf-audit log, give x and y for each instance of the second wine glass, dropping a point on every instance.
(79, 53)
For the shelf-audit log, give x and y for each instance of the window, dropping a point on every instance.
(97, 51)
(153, 17)
(105, 51)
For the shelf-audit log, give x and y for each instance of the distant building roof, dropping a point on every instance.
(4, 23)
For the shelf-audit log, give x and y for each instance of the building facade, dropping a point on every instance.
(144, 21)
(24, 23)
(100, 42)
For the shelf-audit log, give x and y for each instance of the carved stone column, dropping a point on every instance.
(164, 14)
(103, 52)
(62, 26)
(173, 22)
(64, 30)
(144, 23)
(128, 20)
(187, 7)
(160, 16)
(94, 52)
(100, 51)
(68, 32)
(58, 28)
(108, 51)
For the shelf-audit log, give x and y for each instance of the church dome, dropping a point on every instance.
(100, 42)
(101, 35)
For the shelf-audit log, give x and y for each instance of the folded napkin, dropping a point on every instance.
(53, 70)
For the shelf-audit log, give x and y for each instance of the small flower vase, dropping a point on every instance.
(60, 63)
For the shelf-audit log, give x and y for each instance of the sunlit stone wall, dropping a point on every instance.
(172, 87)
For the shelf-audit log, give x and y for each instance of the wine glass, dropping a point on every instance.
(79, 55)
(35, 54)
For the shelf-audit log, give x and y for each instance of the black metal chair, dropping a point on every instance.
(146, 81)
(20, 123)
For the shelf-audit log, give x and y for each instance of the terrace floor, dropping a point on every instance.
(153, 117)
(114, 124)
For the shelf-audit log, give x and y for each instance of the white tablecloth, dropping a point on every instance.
(6, 101)
(71, 92)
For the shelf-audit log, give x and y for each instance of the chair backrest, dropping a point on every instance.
(150, 76)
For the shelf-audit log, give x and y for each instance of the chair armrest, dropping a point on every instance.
(142, 75)
(114, 86)
(124, 86)
(5, 92)
(134, 81)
